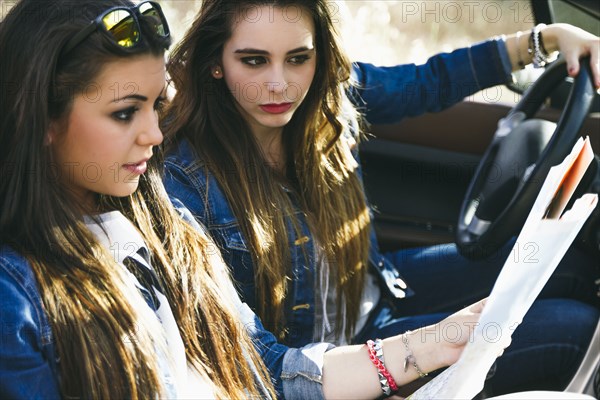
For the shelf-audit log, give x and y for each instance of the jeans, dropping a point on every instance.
(549, 344)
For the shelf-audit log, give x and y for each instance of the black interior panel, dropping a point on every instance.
(416, 191)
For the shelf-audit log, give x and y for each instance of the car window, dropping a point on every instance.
(583, 14)
(394, 32)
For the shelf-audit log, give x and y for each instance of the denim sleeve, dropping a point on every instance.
(296, 372)
(388, 94)
(25, 373)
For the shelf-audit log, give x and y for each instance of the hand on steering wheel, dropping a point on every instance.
(516, 163)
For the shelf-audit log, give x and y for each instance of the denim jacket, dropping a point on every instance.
(384, 95)
(28, 360)
(29, 363)
(388, 94)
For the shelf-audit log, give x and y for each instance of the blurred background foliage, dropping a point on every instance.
(388, 32)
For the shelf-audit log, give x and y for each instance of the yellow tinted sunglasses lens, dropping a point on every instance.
(153, 18)
(123, 27)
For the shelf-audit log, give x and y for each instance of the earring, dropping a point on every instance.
(217, 73)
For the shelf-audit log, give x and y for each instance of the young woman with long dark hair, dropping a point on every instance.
(96, 264)
(264, 123)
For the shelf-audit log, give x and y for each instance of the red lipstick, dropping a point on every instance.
(276, 108)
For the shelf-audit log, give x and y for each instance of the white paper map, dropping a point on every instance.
(542, 243)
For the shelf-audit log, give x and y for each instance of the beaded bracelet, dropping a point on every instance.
(386, 380)
(410, 358)
(536, 47)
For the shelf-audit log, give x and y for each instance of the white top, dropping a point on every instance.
(127, 246)
(326, 304)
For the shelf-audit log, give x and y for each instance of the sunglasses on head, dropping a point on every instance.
(122, 25)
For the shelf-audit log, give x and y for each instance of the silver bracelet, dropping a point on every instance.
(410, 358)
(538, 55)
(386, 380)
(385, 386)
(520, 62)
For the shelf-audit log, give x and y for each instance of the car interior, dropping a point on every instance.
(421, 173)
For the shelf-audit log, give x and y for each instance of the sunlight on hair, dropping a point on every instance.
(352, 228)
(266, 240)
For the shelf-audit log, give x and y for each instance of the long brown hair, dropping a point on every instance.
(106, 346)
(319, 168)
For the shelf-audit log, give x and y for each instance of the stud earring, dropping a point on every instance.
(217, 73)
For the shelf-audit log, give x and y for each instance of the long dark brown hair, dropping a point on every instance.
(319, 167)
(85, 294)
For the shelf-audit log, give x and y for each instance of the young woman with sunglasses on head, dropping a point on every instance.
(96, 265)
(107, 291)
(264, 126)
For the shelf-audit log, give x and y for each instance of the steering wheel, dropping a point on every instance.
(514, 166)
